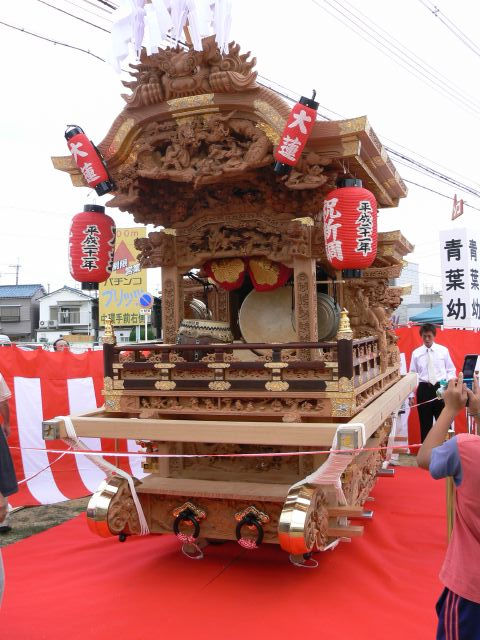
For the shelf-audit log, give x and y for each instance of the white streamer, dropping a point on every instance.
(75, 443)
(142, 23)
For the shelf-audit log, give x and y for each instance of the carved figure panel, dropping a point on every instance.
(243, 235)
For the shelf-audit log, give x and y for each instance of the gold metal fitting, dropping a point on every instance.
(199, 514)
(260, 516)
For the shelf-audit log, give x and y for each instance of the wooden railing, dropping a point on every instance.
(216, 367)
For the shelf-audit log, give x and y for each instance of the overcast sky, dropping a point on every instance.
(298, 45)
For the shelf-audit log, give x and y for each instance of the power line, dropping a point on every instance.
(399, 57)
(402, 49)
(108, 4)
(465, 204)
(411, 163)
(421, 168)
(89, 11)
(92, 24)
(62, 44)
(102, 8)
(407, 162)
(452, 27)
(340, 115)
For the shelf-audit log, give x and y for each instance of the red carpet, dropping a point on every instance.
(66, 583)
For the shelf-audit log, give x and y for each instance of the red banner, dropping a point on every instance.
(459, 342)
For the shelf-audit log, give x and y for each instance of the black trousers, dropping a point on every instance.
(428, 412)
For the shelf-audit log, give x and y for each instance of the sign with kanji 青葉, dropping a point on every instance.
(460, 261)
(119, 296)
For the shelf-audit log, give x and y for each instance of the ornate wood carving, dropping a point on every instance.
(169, 325)
(242, 235)
(176, 72)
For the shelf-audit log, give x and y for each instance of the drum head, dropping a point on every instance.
(268, 316)
(328, 315)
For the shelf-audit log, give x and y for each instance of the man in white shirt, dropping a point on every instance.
(432, 363)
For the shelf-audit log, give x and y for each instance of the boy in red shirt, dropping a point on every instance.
(458, 608)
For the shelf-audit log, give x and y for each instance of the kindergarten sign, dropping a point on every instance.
(119, 296)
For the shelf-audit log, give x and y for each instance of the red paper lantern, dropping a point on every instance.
(228, 273)
(91, 246)
(295, 134)
(88, 160)
(266, 274)
(350, 226)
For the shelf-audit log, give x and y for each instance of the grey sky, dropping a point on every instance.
(297, 44)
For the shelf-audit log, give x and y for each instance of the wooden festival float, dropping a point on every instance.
(248, 370)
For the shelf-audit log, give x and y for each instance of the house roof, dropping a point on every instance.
(19, 290)
(77, 292)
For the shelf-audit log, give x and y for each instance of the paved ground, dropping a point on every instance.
(31, 520)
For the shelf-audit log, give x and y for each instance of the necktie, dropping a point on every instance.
(432, 378)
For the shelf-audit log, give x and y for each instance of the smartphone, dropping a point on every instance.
(469, 368)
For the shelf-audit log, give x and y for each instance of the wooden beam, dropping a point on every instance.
(376, 413)
(346, 511)
(192, 487)
(344, 532)
(215, 431)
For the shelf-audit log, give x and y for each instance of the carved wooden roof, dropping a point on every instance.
(197, 134)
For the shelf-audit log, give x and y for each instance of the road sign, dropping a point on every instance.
(145, 312)
(146, 300)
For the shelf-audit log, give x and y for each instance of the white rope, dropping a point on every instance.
(75, 443)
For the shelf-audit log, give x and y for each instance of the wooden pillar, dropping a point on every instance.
(222, 311)
(305, 303)
(172, 303)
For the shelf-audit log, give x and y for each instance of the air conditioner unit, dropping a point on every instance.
(52, 324)
(43, 323)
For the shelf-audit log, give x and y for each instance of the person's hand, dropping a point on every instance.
(411, 401)
(474, 397)
(455, 396)
(3, 507)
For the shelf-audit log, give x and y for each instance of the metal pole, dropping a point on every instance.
(146, 323)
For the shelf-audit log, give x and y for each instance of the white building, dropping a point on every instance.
(66, 311)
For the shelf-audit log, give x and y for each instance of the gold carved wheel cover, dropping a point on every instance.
(303, 521)
(111, 509)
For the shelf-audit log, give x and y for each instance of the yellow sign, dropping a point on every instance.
(119, 295)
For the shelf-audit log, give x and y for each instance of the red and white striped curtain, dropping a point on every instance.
(44, 385)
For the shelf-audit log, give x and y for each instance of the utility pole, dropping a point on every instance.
(17, 269)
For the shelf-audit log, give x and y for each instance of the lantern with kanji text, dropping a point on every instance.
(350, 227)
(88, 160)
(295, 134)
(91, 246)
